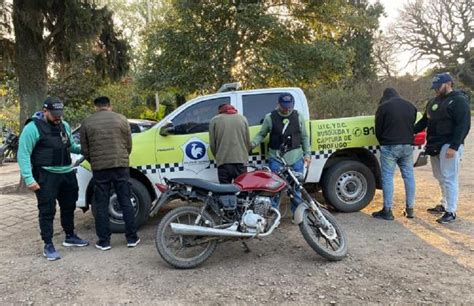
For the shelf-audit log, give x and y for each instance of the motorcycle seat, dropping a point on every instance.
(206, 185)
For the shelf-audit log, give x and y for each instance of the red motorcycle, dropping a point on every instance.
(188, 235)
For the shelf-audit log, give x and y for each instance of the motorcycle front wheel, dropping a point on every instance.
(330, 245)
(183, 251)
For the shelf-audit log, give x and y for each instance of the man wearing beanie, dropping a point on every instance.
(394, 124)
(229, 140)
(46, 167)
(286, 126)
(448, 120)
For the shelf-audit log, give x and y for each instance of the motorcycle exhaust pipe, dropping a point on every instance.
(196, 230)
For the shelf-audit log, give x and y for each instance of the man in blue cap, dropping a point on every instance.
(448, 120)
(286, 126)
(46, 167)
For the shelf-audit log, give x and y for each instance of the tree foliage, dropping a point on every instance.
(132, 18)
(439, 31)
(359, 37)
(199, 45)
(57, 31)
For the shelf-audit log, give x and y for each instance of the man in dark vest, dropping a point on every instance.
(45, 165)
(106, 142)
(286, 126)
(448, 120)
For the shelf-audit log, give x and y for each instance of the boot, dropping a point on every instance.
(409, 213)
(385, 213)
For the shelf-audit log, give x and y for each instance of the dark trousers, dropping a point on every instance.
(228, 172)
(103, 180)
(55, 186)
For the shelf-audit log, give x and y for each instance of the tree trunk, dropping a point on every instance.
(31, 57)
(30, 60)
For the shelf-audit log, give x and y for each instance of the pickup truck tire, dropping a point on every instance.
(348, 186)
(141, 202)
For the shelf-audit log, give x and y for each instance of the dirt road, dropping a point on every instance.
(405, 261)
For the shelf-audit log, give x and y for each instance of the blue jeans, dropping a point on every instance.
(401, 155)
(275, 165)
(446, 171)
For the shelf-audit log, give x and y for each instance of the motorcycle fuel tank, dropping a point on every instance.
(260, 180)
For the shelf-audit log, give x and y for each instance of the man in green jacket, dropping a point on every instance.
(286, 126)
(45, 165)
(229, 140)
(106, 143)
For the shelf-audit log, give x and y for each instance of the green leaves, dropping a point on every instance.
(199, 45)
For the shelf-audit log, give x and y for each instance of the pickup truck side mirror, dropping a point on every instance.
(167, 129)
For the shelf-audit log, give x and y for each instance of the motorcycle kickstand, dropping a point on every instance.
(246, 247)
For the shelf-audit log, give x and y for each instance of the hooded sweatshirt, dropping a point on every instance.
(395, 119)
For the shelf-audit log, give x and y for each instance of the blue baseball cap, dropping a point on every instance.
(286, 101)
(439, 79)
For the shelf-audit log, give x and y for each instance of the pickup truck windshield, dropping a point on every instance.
(196, 118)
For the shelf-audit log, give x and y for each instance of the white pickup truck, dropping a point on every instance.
(345, 153)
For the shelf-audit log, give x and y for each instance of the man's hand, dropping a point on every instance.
(450, 153)
(33, 187)
(307, 160)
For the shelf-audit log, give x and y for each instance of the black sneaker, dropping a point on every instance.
(50, 252)
(74, 241)
(447, 218)
(103, 245)
(385, 214)
(409, 213)
(438, 209)
(133, 242)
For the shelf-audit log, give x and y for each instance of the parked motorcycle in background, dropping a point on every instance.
(188, 235)
(9, 147)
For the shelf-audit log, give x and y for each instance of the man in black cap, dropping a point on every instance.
(46, 167)
(448, 120)
(394, 124)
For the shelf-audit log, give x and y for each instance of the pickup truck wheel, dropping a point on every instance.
(141, 202)
(349, 186)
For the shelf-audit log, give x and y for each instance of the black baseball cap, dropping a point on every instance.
(55, 106)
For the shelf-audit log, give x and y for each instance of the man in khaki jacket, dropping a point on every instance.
(229, 139)
(106, 142)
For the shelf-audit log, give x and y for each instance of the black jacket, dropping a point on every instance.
(458, 110)
(395, 119)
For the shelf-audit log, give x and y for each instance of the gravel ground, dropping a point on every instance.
(404, 261)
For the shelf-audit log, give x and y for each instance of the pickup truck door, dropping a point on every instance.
(185, 152)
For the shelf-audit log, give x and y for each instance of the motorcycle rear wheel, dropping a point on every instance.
(331, 249)
(184, 252)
